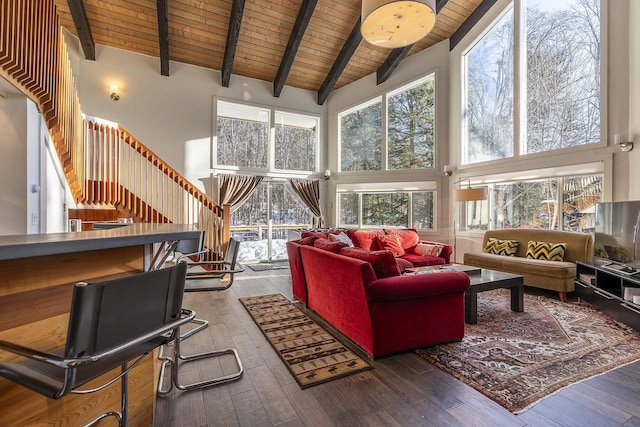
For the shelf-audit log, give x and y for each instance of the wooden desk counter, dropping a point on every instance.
(37, 274)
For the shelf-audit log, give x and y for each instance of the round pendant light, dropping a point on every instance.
(395, 24)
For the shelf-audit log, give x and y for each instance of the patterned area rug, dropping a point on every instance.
(311, 354)
(264, 266)
(517, 359)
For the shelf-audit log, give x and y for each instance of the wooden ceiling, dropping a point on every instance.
(308, 44)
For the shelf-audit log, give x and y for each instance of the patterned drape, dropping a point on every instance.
(308, 190)
(236, 189)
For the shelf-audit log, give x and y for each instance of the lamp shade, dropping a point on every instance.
(470, 194)
(395, 24)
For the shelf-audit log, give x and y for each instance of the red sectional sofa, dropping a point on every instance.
(379, 309)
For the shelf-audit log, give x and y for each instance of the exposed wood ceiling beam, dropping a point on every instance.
(232, 40)
(79, 14)
(397, 55)
(163, 35)
(302, 21)
(340, 63)
(467, 25)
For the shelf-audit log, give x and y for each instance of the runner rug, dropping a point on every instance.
(310, 353)
(517, 359)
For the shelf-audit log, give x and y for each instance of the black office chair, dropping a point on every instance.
(111, 323)
(209, 275)
(202, 280)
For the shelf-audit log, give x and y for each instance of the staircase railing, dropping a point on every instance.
(103, 165)
(122, 172)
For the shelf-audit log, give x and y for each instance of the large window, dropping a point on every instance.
(409, 120)
(566, 203)
(244, 139)
(558, 82)
(386, 209)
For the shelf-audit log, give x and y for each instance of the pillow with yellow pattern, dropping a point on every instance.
(501, 247)
(546, 250)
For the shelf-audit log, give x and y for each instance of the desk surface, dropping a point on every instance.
(33, 245)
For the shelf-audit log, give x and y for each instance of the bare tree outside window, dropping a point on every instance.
(563, 74)
(296, 142)
(562, 90)
(489, 93)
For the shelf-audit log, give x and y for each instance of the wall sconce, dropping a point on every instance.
(3, 99)
(114, 93)
(448, 170)
(327, 174)
(622, 145)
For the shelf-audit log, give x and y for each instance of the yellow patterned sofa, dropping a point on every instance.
(554, 275)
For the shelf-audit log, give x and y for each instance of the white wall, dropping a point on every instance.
(13, 164)
(171, 115)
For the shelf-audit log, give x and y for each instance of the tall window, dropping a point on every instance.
(386, 209)
(410, 126)
(409, 119)
(559, 81)
(244, 139)
(566, 203)
(361, 138)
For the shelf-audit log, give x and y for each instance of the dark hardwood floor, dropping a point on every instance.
(401, 390)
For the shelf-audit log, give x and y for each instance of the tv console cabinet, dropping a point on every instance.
(605, 289)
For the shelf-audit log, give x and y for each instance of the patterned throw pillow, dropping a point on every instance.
(501, 247)
(391, 243)
(425, 249)
(546, 250)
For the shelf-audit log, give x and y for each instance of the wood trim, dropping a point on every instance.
(467, 25)
(80, 20)
(232, 40)
(300, 26)
(340, 63)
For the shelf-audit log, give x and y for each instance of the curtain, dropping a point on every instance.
(236, 189)
(308, 190)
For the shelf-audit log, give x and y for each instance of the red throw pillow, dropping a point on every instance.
(391, 243)
(408, 237)
(319, 234)
(330, 246)
(307, 240)
(383, 262)
(366, 239)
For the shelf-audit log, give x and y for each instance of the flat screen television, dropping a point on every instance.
(616, 237)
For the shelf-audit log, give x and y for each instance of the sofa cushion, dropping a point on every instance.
(340, 237)
(391, 243)
(426, 249)
(319, 234)
(366, 239)
(307, 241)
(501, 247)
(408, 237)
(422, 260)
(330, 246)
(540, 269)
(383, 262)
(546, 250)
(403, 264)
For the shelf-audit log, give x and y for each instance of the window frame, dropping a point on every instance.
(383, 98)
(270, 170)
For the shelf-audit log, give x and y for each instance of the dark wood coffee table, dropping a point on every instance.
(488, 280)
(482, 279)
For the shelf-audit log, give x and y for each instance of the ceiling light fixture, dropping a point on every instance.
(394, 24)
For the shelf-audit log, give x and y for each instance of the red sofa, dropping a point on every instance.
(367, 240)
(382, 315)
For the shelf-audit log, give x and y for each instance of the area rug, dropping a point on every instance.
(517, 359)
(310, 353)
(264, 266)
